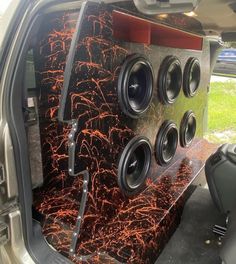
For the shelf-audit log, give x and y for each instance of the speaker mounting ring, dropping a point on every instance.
(134, 165)
(169, 80)
(166, 142)
(192, 77)
(135, 85)
(187, 129)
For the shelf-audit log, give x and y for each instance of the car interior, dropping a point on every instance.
(114, 106)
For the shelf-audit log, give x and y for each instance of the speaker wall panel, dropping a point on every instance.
(49, 61)
(56, 203)
(92, 95)
(115, 227)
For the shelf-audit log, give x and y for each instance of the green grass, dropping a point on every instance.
(225, 75)
(222, 112)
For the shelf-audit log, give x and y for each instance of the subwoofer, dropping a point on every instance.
(187, 129)
(169, 80)
(166, 142)
(134, 165)
(135, 85)
(191, 78)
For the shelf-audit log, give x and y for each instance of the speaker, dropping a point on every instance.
(187, 129)
(166, 142)
(134, 165)
(135, 85)
(169, 80)
(192, 76)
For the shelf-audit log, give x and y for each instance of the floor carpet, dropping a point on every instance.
(194, 242)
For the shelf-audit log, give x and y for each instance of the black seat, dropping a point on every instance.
(221, 177)
(228, 251)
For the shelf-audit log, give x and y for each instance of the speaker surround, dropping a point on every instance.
(166, 142)
(134, 165)
(187, 129)
(169, 80)
(192, 76)
(135, 85)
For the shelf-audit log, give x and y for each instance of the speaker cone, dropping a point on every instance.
(169, 80)
(134, 165)
(135, 85)
(166, 142)
(192, 76)
(187, 129)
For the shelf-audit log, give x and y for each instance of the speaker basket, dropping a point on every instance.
(135, 85)
(166, 143)
(187, 129)
(134, 165)
(169, 80)
(192, 76)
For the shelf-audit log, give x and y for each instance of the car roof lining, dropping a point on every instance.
(217, 16)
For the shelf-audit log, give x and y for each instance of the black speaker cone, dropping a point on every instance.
(134, 165)
(135, 85)
(166, 142)
(187, 129)
(192, 76)
(169, 80)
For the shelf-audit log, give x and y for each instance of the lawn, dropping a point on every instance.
(222, 112)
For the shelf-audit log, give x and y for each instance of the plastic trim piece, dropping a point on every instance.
(69, 65)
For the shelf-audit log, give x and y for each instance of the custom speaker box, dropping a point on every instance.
(119, 107)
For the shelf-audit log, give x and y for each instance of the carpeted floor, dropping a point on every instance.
(194, 241)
